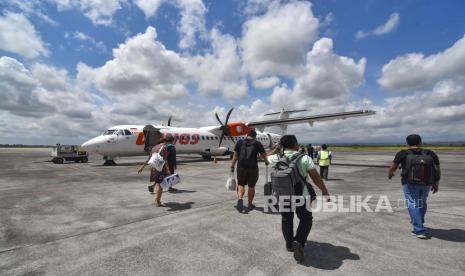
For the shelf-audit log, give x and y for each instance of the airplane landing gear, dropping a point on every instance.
(109, 161)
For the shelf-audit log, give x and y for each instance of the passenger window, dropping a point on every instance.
(216, 137)
(208, 138)
(203, 138)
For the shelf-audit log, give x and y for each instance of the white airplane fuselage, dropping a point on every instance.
(128, 140)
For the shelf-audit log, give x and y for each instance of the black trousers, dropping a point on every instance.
(303, 230)
(324, 172)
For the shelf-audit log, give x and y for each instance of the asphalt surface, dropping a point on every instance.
(87, 219)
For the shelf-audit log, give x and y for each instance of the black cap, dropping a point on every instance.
(252, 133)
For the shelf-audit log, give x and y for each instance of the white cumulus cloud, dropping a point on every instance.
(275, 43)
(100, 12)
(415, 70)
(19, 36)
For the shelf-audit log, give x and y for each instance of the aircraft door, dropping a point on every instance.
(151, 137)
(271, 141)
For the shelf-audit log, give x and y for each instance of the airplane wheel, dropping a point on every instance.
(59, 161)
(207, 157)
(84, 159)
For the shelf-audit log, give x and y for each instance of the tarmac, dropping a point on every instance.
(87, 219)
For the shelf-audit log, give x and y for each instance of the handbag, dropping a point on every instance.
(170, 181)
(231, 182)
(156, 161)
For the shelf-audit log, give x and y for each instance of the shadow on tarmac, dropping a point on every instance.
(179, 191)
(453, 235)
(326, 256)
(176, 206)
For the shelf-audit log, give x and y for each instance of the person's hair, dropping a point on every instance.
(324, 146)
(252, 133)
(413, 140)
(288, 141)
(169, 138)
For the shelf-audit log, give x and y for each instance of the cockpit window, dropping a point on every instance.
(109, 132)
(127, 132)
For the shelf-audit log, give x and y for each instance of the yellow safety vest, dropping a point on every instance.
(324, 158)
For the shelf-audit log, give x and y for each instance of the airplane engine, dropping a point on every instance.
(238, 129)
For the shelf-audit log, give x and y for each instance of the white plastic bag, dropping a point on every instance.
(231, 182)
(170, 181)
(156, 161)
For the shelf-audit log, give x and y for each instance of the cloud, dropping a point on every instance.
(219, 70)
(149, 7)
(192, 21)
(88, 39)
(100, 12)
(390, 25)
(31, 8)
(265, 83)
(141, 67)
(275, 43)
(19, 92)
(415, 70)
(327, 80)
(18, 35)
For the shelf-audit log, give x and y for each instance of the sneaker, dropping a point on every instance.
(298, 251)
(289, 247)
(150, 189)
(422, 236)
(239, 205)
(251, 207)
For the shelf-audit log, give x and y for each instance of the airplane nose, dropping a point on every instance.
(90, 146)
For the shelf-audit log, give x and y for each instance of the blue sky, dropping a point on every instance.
(247, 69)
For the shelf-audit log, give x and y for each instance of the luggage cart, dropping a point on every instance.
(60, 153)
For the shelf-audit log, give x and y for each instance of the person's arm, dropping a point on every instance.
(265, 158)
(392, 170)
(316, 178)
(144, 165)
(234, 160)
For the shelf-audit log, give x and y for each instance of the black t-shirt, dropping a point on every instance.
(251, 161)
(402, 155)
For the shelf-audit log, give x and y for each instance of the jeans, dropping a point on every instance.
(416, 198)
(303, 230)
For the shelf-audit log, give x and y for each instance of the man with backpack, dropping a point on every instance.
(420, 174)
(245, 154)
(324, 160)
(290, 171)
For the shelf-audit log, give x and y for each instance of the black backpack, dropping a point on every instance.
(419, 168)
(246, 155)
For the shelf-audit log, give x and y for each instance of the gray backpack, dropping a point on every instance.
(285, 176)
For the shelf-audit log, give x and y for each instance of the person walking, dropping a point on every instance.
(420, 174)
(171, 158)
(310, 151)
(323, 159)
(306, 168)
(157, 176)
(246, 152)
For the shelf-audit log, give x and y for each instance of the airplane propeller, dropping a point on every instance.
(169, 120)
(224, 127)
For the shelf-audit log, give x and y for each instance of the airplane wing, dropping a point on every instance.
(310, 119)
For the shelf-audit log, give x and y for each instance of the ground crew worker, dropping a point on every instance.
(324, 160)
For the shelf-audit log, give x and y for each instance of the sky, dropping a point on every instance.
(70, 69)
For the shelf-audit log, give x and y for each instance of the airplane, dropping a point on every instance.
(137, 140)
